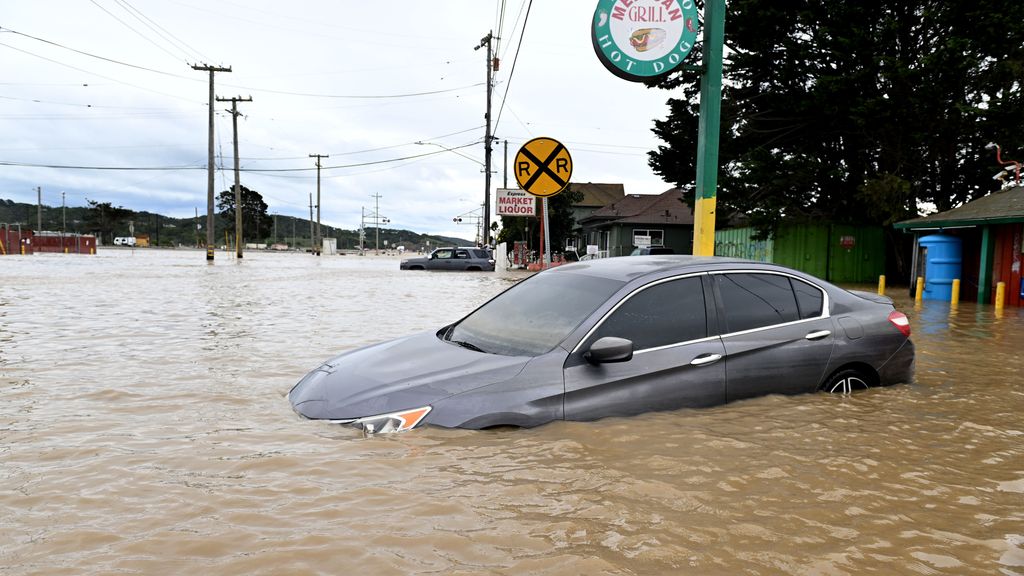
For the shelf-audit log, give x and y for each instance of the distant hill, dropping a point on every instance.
(167, 231)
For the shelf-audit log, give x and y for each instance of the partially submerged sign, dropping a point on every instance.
(543, 167)
(638, 39)
(515, 202)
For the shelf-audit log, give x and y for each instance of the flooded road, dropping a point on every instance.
(144, 429)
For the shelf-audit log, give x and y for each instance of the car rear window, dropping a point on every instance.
(752, 300)
(808, 299)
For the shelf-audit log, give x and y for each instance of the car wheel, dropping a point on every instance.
(473, 269)
(846, 382)
(415, 267)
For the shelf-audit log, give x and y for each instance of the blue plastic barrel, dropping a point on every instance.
(943, 264)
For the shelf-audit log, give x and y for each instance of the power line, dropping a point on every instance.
(174, 40)
(125, 168)
(104, 58)
(515, 59)
(356, 96)
(144, 37)
(59, 63)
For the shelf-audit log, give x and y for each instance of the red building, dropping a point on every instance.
(23, 241)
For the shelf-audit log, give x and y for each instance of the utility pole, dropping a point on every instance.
(209, 162)
(377, 219)
(362, 228)
(319, 239)
(63, 213)
(505, 176)
(311, 221)
(492, 64)
(238, 187)
(39, 209)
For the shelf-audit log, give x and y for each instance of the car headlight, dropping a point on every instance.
(393, 422)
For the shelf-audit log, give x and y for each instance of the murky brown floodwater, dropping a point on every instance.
(144, 429)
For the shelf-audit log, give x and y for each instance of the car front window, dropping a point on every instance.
(533, 316)
(662, 315)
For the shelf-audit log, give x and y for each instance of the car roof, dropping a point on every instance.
(626, 268)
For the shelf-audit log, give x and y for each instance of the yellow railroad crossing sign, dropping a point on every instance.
(543, 167)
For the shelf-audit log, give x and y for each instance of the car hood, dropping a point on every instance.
(409, 372)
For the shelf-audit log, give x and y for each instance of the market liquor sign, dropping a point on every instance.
(515, 202)
(638, 39)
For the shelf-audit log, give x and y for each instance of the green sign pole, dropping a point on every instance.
(710, 127)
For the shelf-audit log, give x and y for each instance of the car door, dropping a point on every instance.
(462, 259)
(441, 259)
(677, 359)
(776, 331)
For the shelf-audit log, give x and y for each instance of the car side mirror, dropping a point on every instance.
(609, 349)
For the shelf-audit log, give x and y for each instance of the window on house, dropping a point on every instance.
(657, 236)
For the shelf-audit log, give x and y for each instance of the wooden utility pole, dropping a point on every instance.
(238, 187)
(209, 163)
(491, 65)
(311, 221)
(39, 209)
(319, 240)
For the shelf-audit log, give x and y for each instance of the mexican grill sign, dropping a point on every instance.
(638, 39)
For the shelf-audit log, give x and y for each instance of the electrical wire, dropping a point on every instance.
(174, 40)
(144, 37)
(105, 59)
(515, 59)
(59, 63)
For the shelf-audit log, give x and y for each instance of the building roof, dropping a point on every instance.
(665, 208)
(1003, 207)
(598, 195)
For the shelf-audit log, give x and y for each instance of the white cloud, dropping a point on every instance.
(70, 109)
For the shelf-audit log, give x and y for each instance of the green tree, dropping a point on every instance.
(854, 111)
(102, 217)
(256, 224)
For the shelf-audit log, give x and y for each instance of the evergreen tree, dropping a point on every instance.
(854, 111)
(256, 224)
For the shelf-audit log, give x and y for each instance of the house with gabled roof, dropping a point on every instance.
(640, 219)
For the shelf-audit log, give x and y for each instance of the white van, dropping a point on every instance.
(124, 241)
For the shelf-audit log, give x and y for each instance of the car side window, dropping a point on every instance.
(664, 314)
(751, 300)
(809, 299)
(443, 254)
(461, 255)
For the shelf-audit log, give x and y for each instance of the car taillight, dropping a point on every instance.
(900, 321)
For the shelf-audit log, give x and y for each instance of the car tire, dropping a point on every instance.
(847, 381)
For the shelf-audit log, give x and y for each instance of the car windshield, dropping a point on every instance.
(533, 316)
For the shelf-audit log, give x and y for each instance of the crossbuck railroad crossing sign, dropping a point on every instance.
(543, 167)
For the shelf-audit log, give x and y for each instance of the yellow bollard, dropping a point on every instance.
(919, 294)
(881, 285)
(1000, 295)
(955, 297)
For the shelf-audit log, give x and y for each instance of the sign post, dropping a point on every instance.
(641, 39)
(543, 167)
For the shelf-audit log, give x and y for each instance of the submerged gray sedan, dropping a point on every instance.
(617, 337)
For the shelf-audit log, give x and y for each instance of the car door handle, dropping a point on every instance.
(705, 359)
(818, 335)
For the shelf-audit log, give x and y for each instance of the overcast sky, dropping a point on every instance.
(361, 82)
